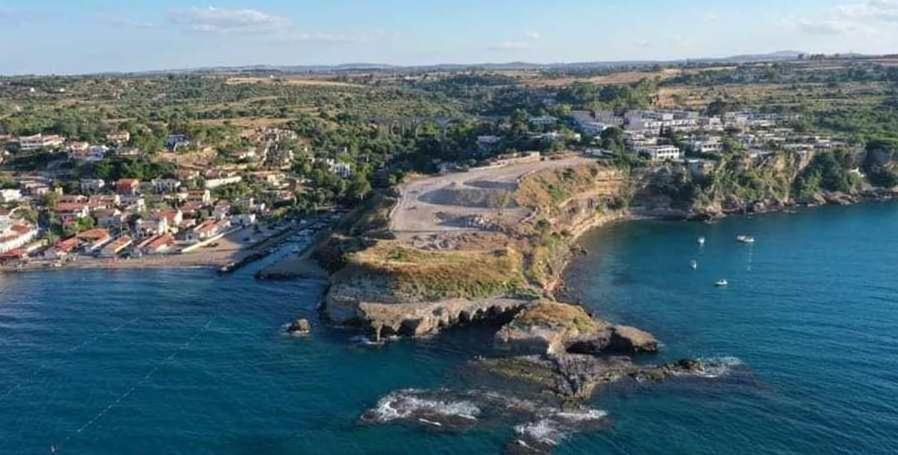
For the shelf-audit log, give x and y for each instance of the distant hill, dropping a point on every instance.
(362, 66)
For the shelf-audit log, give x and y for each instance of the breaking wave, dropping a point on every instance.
(411, 403)
(715, 367)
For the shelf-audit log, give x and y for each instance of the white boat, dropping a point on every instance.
(701, 240)
(694, 264)
(721, 283)
(745, 238)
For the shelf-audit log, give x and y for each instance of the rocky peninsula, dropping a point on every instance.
(490, 246)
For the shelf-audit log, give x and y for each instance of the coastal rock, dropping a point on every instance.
(549, 327)
(299, 327)
(630, 340)
(577, 376)
(557, 328)
(424, 318)
(838, 198)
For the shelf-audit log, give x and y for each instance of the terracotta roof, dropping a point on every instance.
(94, 234)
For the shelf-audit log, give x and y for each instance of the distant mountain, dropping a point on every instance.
(355, 67)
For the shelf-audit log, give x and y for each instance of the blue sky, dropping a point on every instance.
(81, 36)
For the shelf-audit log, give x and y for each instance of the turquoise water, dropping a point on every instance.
(147, 362)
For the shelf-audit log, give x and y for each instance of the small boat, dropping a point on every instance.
(701, 240)
(721, 283)
(694, 264)
(745, 238)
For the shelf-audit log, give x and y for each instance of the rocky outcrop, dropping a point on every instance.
(299, 327)
(577, 376)
(426, 318)
(558, 328)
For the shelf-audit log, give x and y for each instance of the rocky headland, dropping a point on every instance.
(490, 246)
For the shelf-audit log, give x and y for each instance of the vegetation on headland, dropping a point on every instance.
(439, 275)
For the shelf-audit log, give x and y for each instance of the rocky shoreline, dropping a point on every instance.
(559, 349)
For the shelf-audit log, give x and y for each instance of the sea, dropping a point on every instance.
(188, 362)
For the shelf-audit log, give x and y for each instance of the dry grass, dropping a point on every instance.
(559, 315)
(434, 275)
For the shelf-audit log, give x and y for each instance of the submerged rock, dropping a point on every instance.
(576, 376)
(299, 327)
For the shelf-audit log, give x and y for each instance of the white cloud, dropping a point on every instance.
(871, 17)
(534, 35)
(876, 10)
(220, 20)
(711, 17)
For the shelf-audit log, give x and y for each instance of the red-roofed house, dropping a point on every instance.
(93, 239)
(127, 187)
(61, 248)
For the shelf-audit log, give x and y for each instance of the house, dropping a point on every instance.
(166, 185)
(91, 186)
(40, 141)
(176, 141)
(61, 249)
(110, 218)
(159, 244)
(127, 152)
(103, 201)
(119, 137)
(543, 121)
(173, 217)
(221, 210)
(587, 123)
(710, 145)
(212, 183)
(243, 219)
(660, 152)
(35, 188)
(10, 195)
(92, 153)
(207, 230)
(127, 187)
(154, 225)
(71, 212)
(93, 239)
(15, 235)
(115, 247)
(203, 196)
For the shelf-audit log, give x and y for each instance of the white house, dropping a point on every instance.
(10, 195)
(39, 141)
(89, 186)
(660, 152)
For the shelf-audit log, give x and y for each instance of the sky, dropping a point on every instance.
(88, 36)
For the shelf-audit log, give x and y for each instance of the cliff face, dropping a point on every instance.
(391, 286)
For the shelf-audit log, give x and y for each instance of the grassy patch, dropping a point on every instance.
(435, 275)
(559, 315)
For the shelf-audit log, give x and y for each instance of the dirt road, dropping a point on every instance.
(462, 201)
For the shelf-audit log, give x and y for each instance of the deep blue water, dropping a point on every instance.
(147, 362)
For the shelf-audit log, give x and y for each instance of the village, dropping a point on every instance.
(659, 137)
(191, 210)
(175, 220)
